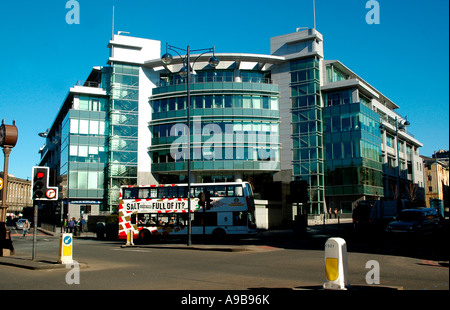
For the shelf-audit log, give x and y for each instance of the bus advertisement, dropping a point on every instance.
(217, 209)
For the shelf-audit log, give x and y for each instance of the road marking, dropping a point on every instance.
(433, 263)
(132, 250)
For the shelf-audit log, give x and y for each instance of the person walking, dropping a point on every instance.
(25, 228)
(71, 224)
(82, 224)
(65, 225)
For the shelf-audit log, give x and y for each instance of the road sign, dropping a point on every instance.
(50, 193)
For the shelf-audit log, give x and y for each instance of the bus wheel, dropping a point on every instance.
(145, 236)
(219, 234)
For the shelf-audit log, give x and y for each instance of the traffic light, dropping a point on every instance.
(41, 189)
(39, 182)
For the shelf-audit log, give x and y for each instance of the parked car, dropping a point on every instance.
(371, 214)
(20, 222)
(415, 221)
(361, 213)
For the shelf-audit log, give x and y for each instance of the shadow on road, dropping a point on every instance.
(431, 246)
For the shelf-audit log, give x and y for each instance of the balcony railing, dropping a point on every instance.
(89, 84)
(200, 79)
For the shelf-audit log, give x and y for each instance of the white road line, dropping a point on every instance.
(132, 250)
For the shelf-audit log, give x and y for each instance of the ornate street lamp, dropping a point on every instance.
(185, 72)
(399, 125)
(8, 139)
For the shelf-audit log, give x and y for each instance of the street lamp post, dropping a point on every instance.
(399, 124)
(8, 139)
(186, 72)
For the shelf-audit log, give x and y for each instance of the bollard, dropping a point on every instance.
(65, 249)
(130, 237)
(336, 264)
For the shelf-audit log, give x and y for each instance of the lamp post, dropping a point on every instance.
(8, 139)
(185, 71)
(399, 124)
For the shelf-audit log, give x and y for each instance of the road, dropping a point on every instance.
(274, 261)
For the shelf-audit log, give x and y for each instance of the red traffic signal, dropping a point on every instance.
(39, 182)
(40, 185)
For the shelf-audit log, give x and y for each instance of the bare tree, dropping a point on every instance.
(412, 192)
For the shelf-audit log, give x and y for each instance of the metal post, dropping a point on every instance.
(167, 59)
(6, 246)
(314, 12)
(398, 157)
(188, 84)
(36, 208)
(8, 139)
(437, 176)
(3, 207)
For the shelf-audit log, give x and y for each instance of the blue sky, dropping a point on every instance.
(406, 56)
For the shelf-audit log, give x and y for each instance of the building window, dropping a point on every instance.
(338, 98)
(389, 140)
(391, 162)
(364, 100)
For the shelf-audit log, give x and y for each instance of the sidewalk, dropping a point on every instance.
(28, 263)
(32, 264)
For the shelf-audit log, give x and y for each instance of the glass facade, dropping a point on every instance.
(235, 125)
(307, 130)
(84, 149)
(353, 149)
(123, 129)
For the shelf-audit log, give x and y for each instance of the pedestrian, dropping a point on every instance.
(78, 226)
(75, 226)
(65, 225)
(25, 228)
(83, 224)
(71, 224)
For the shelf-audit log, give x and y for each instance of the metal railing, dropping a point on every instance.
(216, 79)
(88, 84)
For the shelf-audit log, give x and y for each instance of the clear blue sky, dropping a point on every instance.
(406, 56)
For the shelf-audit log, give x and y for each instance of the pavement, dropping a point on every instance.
(34, 264)
(27, 263)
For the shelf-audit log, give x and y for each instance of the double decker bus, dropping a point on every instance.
(217, 209)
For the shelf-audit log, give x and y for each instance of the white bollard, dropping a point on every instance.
(336, 265)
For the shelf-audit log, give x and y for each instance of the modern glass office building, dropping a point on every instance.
(270, 119)
(76, 147)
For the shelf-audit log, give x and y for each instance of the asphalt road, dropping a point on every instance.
(276, 261)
